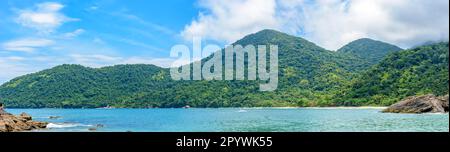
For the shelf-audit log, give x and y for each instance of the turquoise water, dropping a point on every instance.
(238, 120)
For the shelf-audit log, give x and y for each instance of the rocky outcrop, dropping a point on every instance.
(445, 99)
(420, 104)
(22, 122)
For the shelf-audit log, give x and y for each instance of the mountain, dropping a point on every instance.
(369, 50)
(308, 76)
(78, 86)
(301, 60)
(307, 73)
(417, 71)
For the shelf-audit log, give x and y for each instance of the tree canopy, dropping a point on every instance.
(365, 72)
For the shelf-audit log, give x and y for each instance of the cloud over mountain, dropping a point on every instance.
(330, 23)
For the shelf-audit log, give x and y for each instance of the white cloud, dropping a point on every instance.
(149, 25)
(402, 22)
(50, 7)
(329, 23)
(161, 62)
(228, 20)
(92, 60)
(27, 44)
(12, 66)
(14, 58)
(99, 60)
(45, 17)
(75, 33)
(92, 8)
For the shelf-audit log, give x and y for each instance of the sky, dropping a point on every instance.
(40, 34)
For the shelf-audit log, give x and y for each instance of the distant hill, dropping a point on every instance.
(78, 86)
(417, 71)
(369, 50)
(308, 76)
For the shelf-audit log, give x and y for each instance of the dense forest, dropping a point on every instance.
(370, 50)
(364, 72)
(417, 71)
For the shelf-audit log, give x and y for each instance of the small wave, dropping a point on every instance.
(242, 111)
(437, 113)
(48, 117)
(66, 125)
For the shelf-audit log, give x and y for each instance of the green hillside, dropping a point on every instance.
(417, 71)
(371, 51)
(308, 76)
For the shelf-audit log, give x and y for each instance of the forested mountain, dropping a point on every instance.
(417, 71)
(79, 86)
(371, 51)
(308, 76)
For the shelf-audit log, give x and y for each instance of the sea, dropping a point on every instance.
(236, 120)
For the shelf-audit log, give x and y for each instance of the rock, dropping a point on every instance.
(445, 99)
(420, 104)
(25, 116)
(3, 112)
(22, 122)
(54, 117)
(4, 127)
(92, 129)
(38, 124)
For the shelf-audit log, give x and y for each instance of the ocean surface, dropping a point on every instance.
(237, 120)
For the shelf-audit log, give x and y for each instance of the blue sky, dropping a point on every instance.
(139, 27)
(40, 34)
(91, 33)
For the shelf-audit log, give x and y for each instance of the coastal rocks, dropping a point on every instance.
(420, 104)
(445, 99)
(25, 116)
(2, 112)
(54, 117)
(22, 122)
(97, 126)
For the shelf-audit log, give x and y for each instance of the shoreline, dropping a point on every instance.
(342, 107)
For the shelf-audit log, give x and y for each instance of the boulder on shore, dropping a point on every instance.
(420, 104)
(22, 122)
